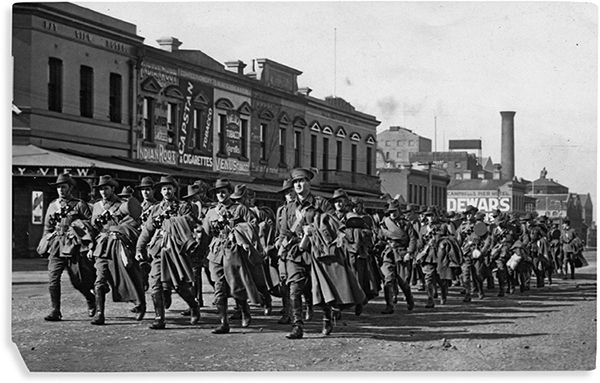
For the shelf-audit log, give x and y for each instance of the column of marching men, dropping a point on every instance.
(312, 252)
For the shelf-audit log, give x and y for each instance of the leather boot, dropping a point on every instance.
(222, 309)
(430, 295)
(268, 305)
(90, 298)
(55, 314)
(310, 312)
(501, 275)
(185, 293)
(297, 331)
(246, 317)
(167, 299)
(100, 302)
(140, 311)
(159, 309)
(388, 292)
(327, 321)
(237, 312)
(285, 299)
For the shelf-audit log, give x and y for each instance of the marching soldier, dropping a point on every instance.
(475, 248)
(289, 194)
(146, 188)
(567, 238)
(232, 246)
(539, 250)
(297, 260)
(400, 241)
(438, 255)
(117, 226)
(167, 241)
(196, 198)
(64, 246)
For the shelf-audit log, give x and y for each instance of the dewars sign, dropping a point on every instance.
(484, 200)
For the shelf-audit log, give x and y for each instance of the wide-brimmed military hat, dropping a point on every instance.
(526, 218)
(146, 182)
(192, 190)
(287, 185)
(339, 193)
(167, 180)
(471, 210)
(222, 183)
(430, 211)
(299, 173)
(106, 180)
(423, 210)
(202, 186)
(355, 221)
(393, 205)
(126, 192)
(64, 178)
(240, 191)
(479, 216)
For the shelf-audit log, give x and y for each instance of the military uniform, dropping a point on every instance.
(400, 240)
(114, 252)
(567, 236)
(63, 245)
(167, 240)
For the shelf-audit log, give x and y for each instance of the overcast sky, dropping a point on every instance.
(445, 70)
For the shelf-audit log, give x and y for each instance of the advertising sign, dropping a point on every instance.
(37, 207)
(232, 134)
(484, 200)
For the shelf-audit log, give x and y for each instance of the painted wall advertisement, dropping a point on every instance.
(187, 142)
(484, 200)
(232, 164)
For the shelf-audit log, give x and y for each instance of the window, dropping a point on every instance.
(282, 146)
(458, 165)
(338, 157)
(297, 148)
(325, 153)
(172, 117)
(244, 138)
(263, 141)
(458, 176)
(388, 143)
(411, 143)
(398, 154)
(115, 97)
(369, 161)
(313, 151)
(400, 142)
(354, 159)
(444, 165)
(222, 133)
(55, 84)
(148, 115)
(196, 140)
(86, 91)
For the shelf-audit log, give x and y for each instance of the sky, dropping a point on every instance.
(444, 70)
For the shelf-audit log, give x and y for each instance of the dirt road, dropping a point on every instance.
(547, 329)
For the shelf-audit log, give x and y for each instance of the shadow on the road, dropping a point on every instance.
(422, 324)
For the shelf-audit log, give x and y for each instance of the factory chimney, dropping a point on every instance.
(508, 145)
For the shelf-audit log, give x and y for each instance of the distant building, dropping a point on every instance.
(554, 200)
(396, 144)
(414, 185)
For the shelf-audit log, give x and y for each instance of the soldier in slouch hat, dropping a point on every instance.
(61, 241)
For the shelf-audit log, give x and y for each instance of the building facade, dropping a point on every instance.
(397, 144)
(86, 87)
(416, 186)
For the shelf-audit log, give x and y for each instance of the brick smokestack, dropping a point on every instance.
(508, 145)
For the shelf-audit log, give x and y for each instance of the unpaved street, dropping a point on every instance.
(548, 329)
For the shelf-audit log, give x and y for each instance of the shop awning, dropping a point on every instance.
(31, 155)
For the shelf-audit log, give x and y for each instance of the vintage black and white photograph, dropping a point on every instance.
(284, 188)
